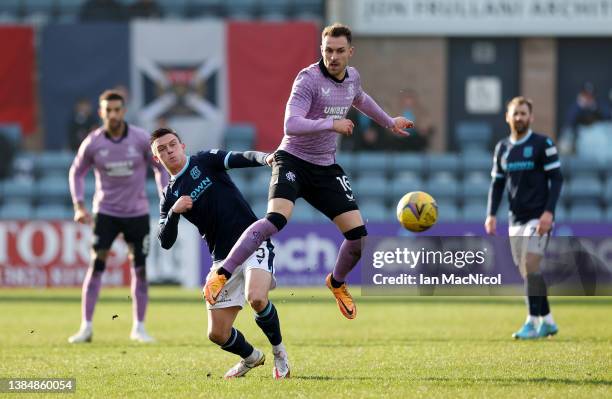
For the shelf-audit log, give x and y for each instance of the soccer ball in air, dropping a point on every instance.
(417, 211)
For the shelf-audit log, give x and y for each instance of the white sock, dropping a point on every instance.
(548, 319)
(535, 320)
(253, 356)
(278, 348)
(138, 325)
(86, 325)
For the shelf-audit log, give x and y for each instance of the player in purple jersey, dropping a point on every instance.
(120, 156)
(304, 164)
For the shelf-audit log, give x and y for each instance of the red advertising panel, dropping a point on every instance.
(17, 103)
(263, 60)
(54, 254)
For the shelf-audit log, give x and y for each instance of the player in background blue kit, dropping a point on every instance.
(527, 164)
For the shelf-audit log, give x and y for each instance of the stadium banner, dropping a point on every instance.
(254, 63)
(57, 253)
(306, 252)
(78, 61)
(475, 17)
(179, 78)
(17, 101)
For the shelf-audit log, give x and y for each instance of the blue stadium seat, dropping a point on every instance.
(580, 166)
(375, 211)
(18, 190)
(260, 207)
(473, 134)
(608, 191)
(303, 212)
(346, 160)
(477, 162)
(372, 162)
(54, 163)
(240, 137)
(404, 184)
(474, 212)
(561, 214)
(259, 184)
(407, 163)
(475, 189)
(51, 212)
(582, 213)
(241, 9)
(53, 190)
(584, 188)
(275, 10)
(448, 211)
(309, 9)
(609, 213)
(16, 211)
(447, 163)
(443, 186)
(241, 182)
(370, 187)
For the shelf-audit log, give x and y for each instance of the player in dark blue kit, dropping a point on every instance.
(201, 191)
(527, 164)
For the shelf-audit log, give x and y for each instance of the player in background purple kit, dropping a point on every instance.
(304, 164)
(120, 155)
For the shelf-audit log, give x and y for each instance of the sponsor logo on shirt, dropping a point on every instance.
(336, 112)
(325, 91)
(200, 188)
(195, 172)
(520, 165)
(119, 168)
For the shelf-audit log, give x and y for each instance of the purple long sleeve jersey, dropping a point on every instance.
(316, 100)
(120, 169)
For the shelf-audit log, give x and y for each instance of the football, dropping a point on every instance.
(417, 211)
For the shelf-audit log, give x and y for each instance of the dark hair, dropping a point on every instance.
(338, 30)
(110, 95)
(520, 100)
(162, 131)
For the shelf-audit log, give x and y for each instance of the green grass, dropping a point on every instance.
(397, 347)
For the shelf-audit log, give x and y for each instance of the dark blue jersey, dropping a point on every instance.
(530, 170)
(219, 210)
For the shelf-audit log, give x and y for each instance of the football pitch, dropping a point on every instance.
(397, 347)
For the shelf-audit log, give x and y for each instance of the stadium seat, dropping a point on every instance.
(241, 9)
(275, 10)
(260, 207)
(18, 189)
(580, 166)
(448, 211)
(561, 214)
(346, 161)
(303, 212)
(309, 9)
(401, 163)
(474, 213)
(473, 134)
(370, 187)
(609, 213)
(240, 137)
(372, 163)
(242, 183)
(582, 213)
(476, 162)
(16, 211)
(53, 190)
(442, 186)
(259, 184)
(404, 184)
(54, 164)
(442, 163)
(475, 189)
(375, 211)
(51, 212)
(584, 189)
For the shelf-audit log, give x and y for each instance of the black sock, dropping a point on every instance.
(237, 344)
(335, 283)
(269, 323)
(536, 294)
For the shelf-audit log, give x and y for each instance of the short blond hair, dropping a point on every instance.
(520, 100)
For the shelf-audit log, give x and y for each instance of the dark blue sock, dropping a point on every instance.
(237, 344)
(269, 323)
